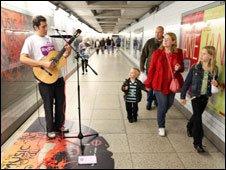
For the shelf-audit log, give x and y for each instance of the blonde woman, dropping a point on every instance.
(200, 78)
(168, 57)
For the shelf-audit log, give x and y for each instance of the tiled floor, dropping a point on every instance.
(135, 145)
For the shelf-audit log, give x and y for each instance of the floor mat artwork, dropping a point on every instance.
(33, 150)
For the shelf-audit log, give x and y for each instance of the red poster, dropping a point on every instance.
(15, 27)
(191, 36)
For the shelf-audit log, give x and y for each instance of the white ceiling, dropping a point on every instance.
(108, 16)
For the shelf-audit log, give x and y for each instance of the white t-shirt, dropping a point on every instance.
(37, 47)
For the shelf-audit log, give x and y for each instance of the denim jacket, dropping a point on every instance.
(194, 80)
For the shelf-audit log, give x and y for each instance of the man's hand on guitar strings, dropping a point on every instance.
(47, 64)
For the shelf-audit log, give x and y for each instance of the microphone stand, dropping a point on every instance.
(77, 53)
(80, 134)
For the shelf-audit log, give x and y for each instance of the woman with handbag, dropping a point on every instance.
(164, 76)
(202, 80)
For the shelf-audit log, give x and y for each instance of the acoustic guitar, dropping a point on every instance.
(50, 75)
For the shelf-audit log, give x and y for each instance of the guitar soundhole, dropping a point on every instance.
(46, 71)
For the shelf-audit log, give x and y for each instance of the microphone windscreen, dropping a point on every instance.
(78, 31)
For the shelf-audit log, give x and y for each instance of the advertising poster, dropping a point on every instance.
(190, 36)
(15, 27)
(206, 27)
(214, 34)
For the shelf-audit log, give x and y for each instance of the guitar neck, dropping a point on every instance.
(59, 55)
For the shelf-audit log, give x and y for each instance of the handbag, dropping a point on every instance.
(174, 84)
(214, 89)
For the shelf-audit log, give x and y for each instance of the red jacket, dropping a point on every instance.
(159, 75)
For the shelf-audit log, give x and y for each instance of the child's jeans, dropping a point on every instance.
(131, 108)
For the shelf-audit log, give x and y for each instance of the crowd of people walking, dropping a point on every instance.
(108, 44)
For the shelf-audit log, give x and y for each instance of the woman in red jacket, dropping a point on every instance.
(159, 76)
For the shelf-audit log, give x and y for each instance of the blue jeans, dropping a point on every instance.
(164, 104)
(150, 98)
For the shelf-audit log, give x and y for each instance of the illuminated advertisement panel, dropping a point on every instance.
(201, 28)
(213, 34)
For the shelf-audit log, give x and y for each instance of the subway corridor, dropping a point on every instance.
(132, 145)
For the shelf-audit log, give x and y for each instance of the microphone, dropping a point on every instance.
(78, 31)
(56, 29)
(58, 36)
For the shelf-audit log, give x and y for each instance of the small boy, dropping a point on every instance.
(132, 88)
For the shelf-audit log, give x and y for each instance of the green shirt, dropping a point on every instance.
(204, 82)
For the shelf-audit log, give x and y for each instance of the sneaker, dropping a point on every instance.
(86, 70)
(161, 131)
(199, 149)
(51, 135)
(83, 73)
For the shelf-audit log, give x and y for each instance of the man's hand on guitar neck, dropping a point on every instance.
(68, 50)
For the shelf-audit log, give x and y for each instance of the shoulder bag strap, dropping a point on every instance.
(169, 65)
